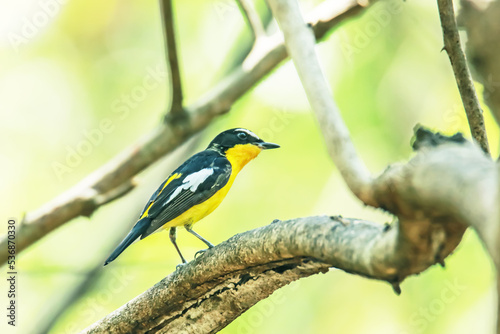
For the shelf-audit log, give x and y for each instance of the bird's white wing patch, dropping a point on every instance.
(248, 132)
(192, 182)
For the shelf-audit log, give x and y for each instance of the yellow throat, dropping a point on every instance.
(240, 155)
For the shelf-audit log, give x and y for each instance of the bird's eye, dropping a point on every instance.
(242, 135)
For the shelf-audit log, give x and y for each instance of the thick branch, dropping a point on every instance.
(462, 74)
(248, 267)
(449, 184)
(450, 177)
(172, 59)
(81, 199)
(300, 43)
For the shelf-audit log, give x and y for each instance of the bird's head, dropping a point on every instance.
(239, 137)
(239, 145)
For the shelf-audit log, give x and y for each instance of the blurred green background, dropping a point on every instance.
(68, 67)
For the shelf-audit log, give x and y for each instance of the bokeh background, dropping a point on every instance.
(68, 66)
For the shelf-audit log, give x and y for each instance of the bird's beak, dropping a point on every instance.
(267, 146)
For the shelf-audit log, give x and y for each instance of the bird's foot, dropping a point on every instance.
(200, 252)
(180, 265)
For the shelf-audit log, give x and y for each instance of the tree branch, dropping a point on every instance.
(300, 43)
(434, 209)
(172, 59)
(248, 267)
(252, 17)
(81, 199)
(462, 74)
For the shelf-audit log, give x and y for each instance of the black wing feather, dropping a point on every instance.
(186, 199)
(162, 212)
(155, 195)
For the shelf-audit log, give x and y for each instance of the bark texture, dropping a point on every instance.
(458, 62)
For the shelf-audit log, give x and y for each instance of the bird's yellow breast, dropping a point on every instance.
(238, 156)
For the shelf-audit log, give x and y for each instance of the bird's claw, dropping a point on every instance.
(180, 265)
(200, 253)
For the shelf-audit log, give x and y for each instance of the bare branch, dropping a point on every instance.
(121, 190)
(434, 210)
(172, 59)
(462, 74)
(80, 200)
(236, 274)
(300, 43)
(252, 17)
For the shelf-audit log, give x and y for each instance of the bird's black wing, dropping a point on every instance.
(195, 181)
(155, 195)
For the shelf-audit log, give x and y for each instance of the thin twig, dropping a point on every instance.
(462, 74)
(252, 17)
(300, 43)
(172, 58)
(80, 199)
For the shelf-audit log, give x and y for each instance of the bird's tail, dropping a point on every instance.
(136, 231)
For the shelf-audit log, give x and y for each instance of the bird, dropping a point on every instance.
(196, 188)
